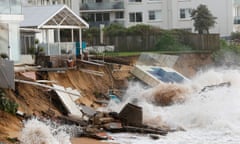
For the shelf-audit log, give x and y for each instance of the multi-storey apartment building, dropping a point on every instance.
(73, 4)
(98, 12)
(10, 17)
(166, 14)
(171, 14)
(236, 14)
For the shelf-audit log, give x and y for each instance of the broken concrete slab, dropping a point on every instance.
(161, 60)
(154, 75)
(67, 101)
(6, 74)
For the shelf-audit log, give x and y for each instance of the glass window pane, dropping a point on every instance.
(99, 17)
(138, 17)
(132, 17)
(106, 17)
(182, 13)
(151, 15)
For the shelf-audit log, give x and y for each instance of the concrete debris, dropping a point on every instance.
(160, 60)
(6, 74)
(67, 101)
(29, 75)
(131, 115)
(154, 75)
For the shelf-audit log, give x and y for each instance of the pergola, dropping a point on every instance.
(55, 17)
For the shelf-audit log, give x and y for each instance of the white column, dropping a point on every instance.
(80, 42)
(73, 48)
(59, 49)
(47, 39)
(72, 36)
(101, 33)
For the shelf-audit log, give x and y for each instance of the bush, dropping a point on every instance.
(169, 41)
(7, 105)
(115, 30)
(227, 54)
(3, 55)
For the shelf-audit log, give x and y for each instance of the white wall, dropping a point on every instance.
(12, 35)
(222, 9)
(14, 41)
(4, 38)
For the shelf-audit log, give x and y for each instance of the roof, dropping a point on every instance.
(52, 16)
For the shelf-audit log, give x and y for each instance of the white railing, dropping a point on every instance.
(59, 48)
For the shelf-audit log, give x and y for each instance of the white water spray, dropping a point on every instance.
(211, 116)
(46, 132)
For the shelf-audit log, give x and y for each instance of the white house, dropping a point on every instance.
(10, 17)
(58, 28)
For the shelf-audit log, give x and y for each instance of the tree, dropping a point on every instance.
(203, 19)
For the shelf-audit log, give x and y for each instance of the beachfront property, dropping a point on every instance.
(166, 14)
(57, 29)
(72, 4)
(10, 17)
(236, 14)
(105, 12)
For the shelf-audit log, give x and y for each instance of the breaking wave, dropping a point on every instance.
(46, 132)
(209, 107)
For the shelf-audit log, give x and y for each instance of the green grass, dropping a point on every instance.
(123, 54)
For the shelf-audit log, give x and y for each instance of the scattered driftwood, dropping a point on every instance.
(114, 60)
(132, 121)
(211, 87)
(89, 62)
(98, 73)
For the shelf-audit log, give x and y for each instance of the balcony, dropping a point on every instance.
(10, 7)
(96, 24)
(236, 2)
(104, 6)
(59, 48)
(236, 20)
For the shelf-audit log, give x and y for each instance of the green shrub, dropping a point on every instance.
(169, 41)
(6, 104)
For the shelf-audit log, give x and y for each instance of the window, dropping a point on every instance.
(106, 17)
(154, 15)
(135, 17)
(134, 0)
(185, 13)
(98, 1)
(98, 17)
(119, 15)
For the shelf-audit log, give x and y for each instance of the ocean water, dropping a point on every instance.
(44, 131)
(209, 116)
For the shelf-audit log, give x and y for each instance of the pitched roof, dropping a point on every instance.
(52, 16)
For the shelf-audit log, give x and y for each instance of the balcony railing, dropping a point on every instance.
(59, 48)
(11, 7)
(102, 6)
(236, 20)
(96, 24)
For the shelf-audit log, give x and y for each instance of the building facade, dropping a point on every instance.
(175, 14)
(105, 12)
(166, 14)
(10, 17)
(236, 14)
(73, 4)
